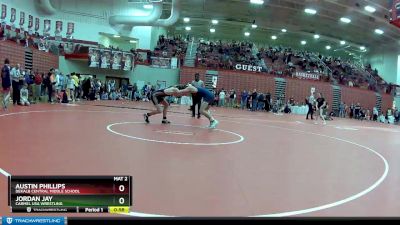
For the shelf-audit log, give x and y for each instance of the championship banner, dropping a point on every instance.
(214, 81)
(127, 61)
(174, 63)
(117, 59)
(312, 90)
(37, 24)
(395, 11)
(105, 56)
(308, 76)
(22, 18)
(159, 62)
(30, 22)
(47, 27)
(70, 29)
(142, 56)
(42, 45)
(94, 57)
(3, 12)
(13, 15)
(58, 28)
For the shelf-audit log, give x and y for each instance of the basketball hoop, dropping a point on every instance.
(395, 19)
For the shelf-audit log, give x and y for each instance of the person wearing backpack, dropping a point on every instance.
(6, 83)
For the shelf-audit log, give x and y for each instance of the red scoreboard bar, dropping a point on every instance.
(70, 194)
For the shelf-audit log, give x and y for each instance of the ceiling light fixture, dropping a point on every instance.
(316, 36)
(246, 34)
(212, 30)
(310, 11)
(257, 2)
(117, 36)
(186, 19)
(342, 42)
(284, 30)
(379, 31)
(214, 22)
(362, 48)
(328, 47)
(133, 41)
(303, 42)
(188, 28)
(274, 37)
(370, 9)
(345, 20)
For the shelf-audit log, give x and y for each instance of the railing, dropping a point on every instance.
(361, 69)
(191, 47)
(327, 71)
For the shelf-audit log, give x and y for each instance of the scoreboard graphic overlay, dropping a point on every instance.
(70, 194)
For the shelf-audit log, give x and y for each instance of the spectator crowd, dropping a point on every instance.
(284, 61)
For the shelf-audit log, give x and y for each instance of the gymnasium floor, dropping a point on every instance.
(254, 164)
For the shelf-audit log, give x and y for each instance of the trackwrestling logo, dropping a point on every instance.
(33, 220)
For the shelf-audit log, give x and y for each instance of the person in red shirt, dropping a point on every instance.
(37, 86)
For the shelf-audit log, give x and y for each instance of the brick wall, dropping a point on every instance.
(355, 95)
(387, 102)
(15, 53)
(42, 61)
(299, 89)
(233, 79)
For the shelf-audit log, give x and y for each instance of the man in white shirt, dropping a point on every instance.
(310, 103)
(16, 78)
(222, 95)
(375, 114)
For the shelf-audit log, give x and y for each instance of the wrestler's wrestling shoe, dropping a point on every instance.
(146, 118)
(214, 124)
(165, 122)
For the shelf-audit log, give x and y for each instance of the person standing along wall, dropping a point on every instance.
(16, 77)
(6, 83)
(221, 100)
(232, 98)
(195, 98)
(254, 100)
(243, 100)
(310, 103)
(71, 88)
(37, 87)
